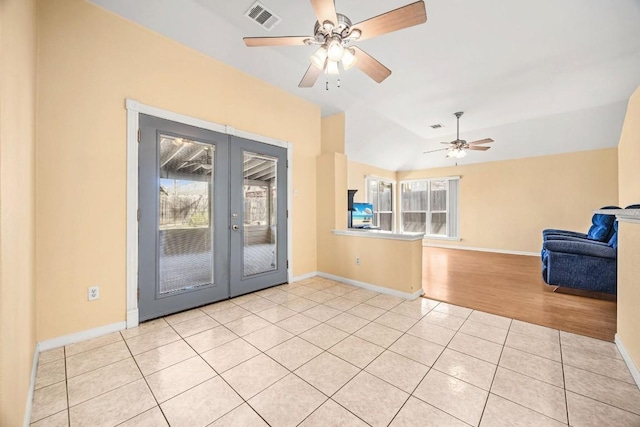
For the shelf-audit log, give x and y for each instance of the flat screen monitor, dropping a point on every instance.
(362, 215)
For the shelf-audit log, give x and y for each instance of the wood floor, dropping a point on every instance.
(512, 286)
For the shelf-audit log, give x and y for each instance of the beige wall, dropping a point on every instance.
(393, 264)
(333, 133)
(505, 205)
(90, 60)
(17, 223)
(629, 154)
(332, 205)
(629, 233)
(629, 288)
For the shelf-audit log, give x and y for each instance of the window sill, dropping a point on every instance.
(451, 239)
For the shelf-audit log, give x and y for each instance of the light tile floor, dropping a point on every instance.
(321, 353)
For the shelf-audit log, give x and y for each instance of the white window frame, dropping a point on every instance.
(376, 213)
(453, 224)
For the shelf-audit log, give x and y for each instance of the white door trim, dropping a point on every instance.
(134, 108)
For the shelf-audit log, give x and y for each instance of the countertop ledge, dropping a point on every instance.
(379, 234)
(620, 213)
(626, 215)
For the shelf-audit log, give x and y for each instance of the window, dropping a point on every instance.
(430, 207)
(380, 194)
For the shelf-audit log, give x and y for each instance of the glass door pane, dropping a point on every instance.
(260, 214)
(185, 232)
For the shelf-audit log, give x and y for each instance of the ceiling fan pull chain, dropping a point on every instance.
(338, 83)
(327, 85)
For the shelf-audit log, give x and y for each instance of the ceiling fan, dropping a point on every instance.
(334, 32)
(456, 147)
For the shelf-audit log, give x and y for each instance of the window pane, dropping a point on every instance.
(414, 196)
(439, 224)
(385, 197)
(185, 253)
(438, 195)
(260, 226)
(386, 221)
(373, 194)
(414, 222)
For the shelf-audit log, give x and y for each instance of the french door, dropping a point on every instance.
(212, 220)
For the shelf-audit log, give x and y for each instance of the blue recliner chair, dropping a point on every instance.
(600, 231)
(582, 264)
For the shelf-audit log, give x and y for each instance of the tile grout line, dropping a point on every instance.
(495, 374)
(564, 380)
(148, 386)
(519, 404)
(223, 379)
(66, 385)
(598, 400)
(421, 379)
(431, 368)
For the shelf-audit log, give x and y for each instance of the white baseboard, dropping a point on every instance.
(635, 373)
(370, 287)
(32, 387)
(468, 248)
(133, 319)
(304, 276)
(81, 336)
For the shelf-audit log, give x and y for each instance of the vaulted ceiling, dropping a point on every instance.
(539, 77)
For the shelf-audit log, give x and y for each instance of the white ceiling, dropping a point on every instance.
(539, 77)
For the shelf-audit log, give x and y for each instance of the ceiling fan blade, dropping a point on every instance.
(433, 151)
(403, 17)
(325, 10)
(311, 76)
(370, 66)
(448, 143)
(477, 148)
(481, 141)
(275, 41)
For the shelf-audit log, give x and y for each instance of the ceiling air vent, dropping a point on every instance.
(259, 14)
(436, 126)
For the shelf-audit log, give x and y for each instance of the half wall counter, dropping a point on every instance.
(382, 261)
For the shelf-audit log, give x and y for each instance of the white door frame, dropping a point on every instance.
(134, 108)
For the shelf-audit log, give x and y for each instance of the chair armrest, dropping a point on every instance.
(573, 239)
(581, 248)
(553, 231)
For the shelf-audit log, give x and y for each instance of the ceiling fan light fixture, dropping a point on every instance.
(332, 67)
(348, 59)
(355, 34)
(335, 50)
(328, 26)
(319, 58)
(456, 153)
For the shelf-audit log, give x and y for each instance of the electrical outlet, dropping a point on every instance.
(94, 293)
(357, 260)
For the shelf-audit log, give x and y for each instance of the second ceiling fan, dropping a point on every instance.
(456, 147)
(334, 33)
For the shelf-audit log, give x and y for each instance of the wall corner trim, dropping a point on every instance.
(132, 104)
(370, 287)
(32, 386)
(132, 318)
(304, 276)
(635, 373)
(81, 336)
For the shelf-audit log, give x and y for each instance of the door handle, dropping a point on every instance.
(235, 227)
